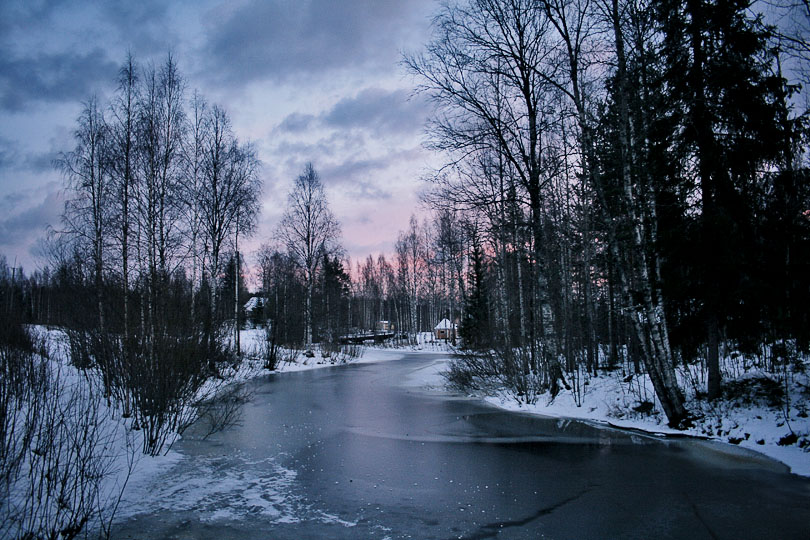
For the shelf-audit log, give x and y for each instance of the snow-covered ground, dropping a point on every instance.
(251, 342)
(754, 426)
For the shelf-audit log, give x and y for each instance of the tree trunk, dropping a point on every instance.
(308, 314)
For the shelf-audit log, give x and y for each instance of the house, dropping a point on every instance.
(255, 303)
(445, 330)
(384, 326)
(254, 310)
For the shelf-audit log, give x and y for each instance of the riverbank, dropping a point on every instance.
(364, 452)
(748, 417)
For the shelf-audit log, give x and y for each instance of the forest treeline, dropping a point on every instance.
(141, 277)
(142, 270)
(632, 176)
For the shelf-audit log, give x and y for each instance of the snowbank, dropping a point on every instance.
(747, 420)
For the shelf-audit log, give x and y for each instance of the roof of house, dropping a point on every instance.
(253, 303)
(445, 325)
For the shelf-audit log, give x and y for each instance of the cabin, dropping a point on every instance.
(253, 310)
(445, 330)
(384, 326)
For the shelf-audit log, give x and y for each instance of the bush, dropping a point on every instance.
(488, 371)
(159, 380)
(338, 353)
(270, 350)
(58, 449)
(222, 410)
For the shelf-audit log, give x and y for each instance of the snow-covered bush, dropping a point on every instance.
(60, 454)
(159, 380)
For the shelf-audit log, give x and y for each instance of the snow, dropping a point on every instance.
(428, 377)
(211, 491)
(197, 484)
(253, 303)
(609, 400)
(112, 448)
(607, 404)
(444, 324)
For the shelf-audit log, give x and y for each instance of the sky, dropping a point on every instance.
(304, 80)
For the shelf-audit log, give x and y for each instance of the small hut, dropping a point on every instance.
(445, 330)
(254, 309)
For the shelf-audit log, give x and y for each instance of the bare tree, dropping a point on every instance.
(573, 21)
(482, 71)
(194, 154)
(309, 230)
(410, 267)
(86, 214)
(122, 161)
(228, 194)
(161, 125)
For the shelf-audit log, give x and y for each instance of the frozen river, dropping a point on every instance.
(356, 452)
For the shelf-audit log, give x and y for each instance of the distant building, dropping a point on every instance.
(253, 310)
(384, 326)
(445, 330)
(255, 302)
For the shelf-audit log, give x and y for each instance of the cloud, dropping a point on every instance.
(20, 231)
(25, 15)
(8, 153)
(380, 111)
(274, 40)
(40, 162)
(143, 24)
(368, 178)
(295, 154)
(361, 178)
(12, 158)
(52, 77)
(376, 111)
(296, 123)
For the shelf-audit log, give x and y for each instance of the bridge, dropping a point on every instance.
(377, 337)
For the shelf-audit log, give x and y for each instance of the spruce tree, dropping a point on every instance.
(724, 100)
(475, 326)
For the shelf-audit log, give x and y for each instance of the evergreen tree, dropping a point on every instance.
(725, 103)
(475, 326)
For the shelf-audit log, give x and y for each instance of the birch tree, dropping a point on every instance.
(123, 162)
(309, 230)
(227, 197)
(86, 169)
(482, 70)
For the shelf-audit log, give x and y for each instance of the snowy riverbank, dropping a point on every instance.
(749, 419)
